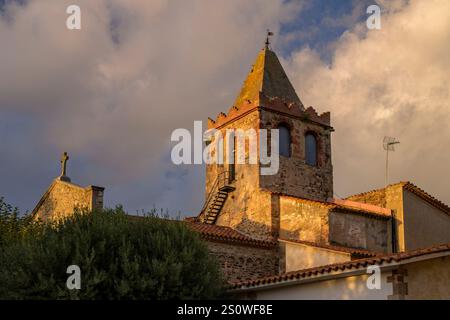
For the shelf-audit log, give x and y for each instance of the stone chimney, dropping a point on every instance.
(95, 195)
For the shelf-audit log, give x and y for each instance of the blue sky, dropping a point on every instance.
(111, 99)
(321, 22)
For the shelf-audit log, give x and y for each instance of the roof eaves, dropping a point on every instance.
(228, 235)
(402, 183)
(340, 269)
(427, 197)
(340, 208)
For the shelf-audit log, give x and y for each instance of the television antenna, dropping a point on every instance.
(388, 145)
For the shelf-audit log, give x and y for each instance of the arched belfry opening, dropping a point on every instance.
(311, 149)
(284, 141)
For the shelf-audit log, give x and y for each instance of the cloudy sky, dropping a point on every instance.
(111, 93)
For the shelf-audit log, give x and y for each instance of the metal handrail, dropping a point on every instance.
(211, 193)
(221, 180)
(224, 179)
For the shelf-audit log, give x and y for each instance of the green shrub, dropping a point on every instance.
(120, 258)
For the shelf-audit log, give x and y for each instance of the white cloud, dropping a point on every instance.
(395, 81)
(112, 92)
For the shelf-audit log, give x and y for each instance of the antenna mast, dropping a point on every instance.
(388, 145)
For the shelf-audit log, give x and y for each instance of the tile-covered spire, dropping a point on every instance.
(267, 78)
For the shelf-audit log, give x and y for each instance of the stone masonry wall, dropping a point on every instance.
(248, 212)
(392, 198)
(394, 201)
(96, 196)
(295, 177)
(63, 197)
(247, 209)
(239, 262)
(251, 208)
(303, 220)
(246, 174)
(359, 231)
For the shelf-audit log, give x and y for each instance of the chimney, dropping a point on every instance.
(96, 197)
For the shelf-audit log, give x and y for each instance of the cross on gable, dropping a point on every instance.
(64, 159)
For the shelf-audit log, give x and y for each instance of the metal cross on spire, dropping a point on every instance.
(64, 159)
(269, 34)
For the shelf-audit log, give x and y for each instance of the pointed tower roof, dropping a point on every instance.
(267, 78)
(268, 88)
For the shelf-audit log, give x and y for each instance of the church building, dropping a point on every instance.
(300, 235)
(286, 236)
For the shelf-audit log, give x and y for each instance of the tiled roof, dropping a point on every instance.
(328, 269)
(374, 191)
(354, 251)
(363, 206)
(267, 87)
(338, 207)
(267, 77)
(427, 197)
(364, 212)
(227, 234)
(415, 190)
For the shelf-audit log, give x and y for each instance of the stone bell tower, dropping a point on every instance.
(237, 195)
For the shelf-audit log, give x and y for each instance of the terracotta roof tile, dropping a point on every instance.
(360, 211)
(375, 190)
(305, 273)
(227, 234)
(338, 207)
(427, 197)
(268, 78)
(415, 190)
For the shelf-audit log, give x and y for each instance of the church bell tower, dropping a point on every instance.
(237, 195)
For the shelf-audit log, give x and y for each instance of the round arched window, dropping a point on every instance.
(311, 149)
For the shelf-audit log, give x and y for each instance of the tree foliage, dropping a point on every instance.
(120, 257)
(13, 225)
